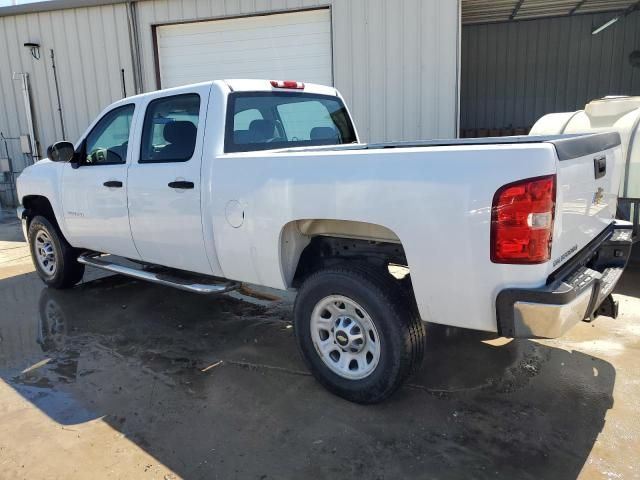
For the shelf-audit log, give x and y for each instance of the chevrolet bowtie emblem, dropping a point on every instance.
(598, 196)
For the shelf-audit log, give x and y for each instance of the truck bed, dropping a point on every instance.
(435, 196)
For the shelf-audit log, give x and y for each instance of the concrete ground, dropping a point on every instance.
(121, 379)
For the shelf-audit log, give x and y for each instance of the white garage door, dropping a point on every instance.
(287, 46)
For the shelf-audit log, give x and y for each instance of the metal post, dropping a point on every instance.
(55, 81)
(27, 107)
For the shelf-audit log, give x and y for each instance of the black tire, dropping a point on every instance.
(67, 270)
(400, 330)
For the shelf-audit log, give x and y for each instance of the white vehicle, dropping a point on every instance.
(204, 186)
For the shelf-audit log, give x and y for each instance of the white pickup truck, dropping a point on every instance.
(205, 186)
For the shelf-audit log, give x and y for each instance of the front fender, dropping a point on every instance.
(44, 179)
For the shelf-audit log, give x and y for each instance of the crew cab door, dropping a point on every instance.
(94, 195)
(164, 181)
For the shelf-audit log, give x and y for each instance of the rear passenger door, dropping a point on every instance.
(164, 180)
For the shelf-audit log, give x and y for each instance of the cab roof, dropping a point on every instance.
(253, 85)
(238, 85)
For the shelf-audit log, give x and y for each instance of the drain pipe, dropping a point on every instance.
(33, 143)
(134, 40)
(55, 81)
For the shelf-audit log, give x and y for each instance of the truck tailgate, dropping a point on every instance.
(588, 177)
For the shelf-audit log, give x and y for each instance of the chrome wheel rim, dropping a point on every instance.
(345, 337)
(45, 253)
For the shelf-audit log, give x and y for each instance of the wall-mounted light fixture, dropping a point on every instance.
(630, 9)
(35, 49)
(605, 25)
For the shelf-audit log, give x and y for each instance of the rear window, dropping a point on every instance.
(267, 120)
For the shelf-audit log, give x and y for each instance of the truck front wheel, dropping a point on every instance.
(55, 260)
(357, 332)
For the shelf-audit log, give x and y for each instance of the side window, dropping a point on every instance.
(108, 141)
(170, 129)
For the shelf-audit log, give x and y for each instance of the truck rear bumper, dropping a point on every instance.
(575, 292)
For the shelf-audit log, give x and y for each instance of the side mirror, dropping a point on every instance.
(61, 152)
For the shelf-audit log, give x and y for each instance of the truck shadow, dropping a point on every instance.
(215, 387)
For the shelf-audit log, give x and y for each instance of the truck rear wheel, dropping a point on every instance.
(55, 260)
(357, 332)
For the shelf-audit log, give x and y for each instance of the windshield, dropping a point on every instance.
(267, 120)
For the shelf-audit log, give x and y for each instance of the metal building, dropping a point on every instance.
(396, 62)
(522, 59)
(409, 69)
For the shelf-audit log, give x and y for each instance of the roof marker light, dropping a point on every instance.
(287, 84)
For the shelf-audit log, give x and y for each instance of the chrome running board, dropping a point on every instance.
(162, 276)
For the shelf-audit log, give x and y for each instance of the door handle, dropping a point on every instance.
(181, 184)
(113, 184)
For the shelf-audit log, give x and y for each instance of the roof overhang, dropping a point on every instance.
(47, 6)
(473, 11)
(491, 11)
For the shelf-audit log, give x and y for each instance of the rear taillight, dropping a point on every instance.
(287, 84)
(522, 221)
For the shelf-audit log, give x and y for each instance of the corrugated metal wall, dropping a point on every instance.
(513, 73)
(91, 45)
(394, 61)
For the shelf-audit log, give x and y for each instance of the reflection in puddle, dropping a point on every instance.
(174, 337)
(162, 368)
(162, 333)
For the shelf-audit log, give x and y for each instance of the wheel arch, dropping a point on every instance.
(35, 205)
(307, 245)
